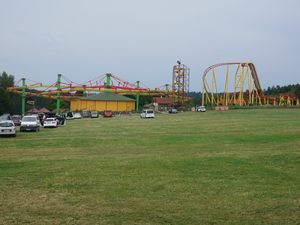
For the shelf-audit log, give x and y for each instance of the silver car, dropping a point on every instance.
(7, 128)
(94, 114)
(31, 122)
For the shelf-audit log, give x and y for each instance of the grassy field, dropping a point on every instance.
(218, 167)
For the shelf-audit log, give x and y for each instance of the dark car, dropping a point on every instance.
(17, 119)
(173, 111)
(108, 113)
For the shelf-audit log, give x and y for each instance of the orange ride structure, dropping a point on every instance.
(65, 89)
(246, 89)
(180, 83)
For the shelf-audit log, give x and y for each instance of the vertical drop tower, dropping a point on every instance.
(180, 84)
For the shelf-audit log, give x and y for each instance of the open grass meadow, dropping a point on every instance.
(218, 167)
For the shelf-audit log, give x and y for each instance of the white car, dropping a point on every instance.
(77, 116)
(29, 123)
(50, 122)
(147, 113)
(7, 128)
(201, 109)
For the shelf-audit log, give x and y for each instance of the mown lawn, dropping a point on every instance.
(218, 167)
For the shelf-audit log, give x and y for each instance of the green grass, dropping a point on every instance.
(218, 167)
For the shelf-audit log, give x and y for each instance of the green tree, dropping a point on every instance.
(63, 104)
(5, 101)
(79, 93)
(196, 99)
(297, 91)
(16, 103)
(6, 80)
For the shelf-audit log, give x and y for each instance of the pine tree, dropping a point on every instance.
(5, 101)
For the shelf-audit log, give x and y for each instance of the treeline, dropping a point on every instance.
(278, 90)
(196, 97)
(12, 102)
(274, 90)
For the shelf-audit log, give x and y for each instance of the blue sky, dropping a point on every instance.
(140, 40)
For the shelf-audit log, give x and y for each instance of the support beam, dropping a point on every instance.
(58, 94)
(108, 81)
(23, 96)
(137, 97)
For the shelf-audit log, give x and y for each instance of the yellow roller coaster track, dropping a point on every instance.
(210, 94)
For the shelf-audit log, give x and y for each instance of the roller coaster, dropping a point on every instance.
(246, 89)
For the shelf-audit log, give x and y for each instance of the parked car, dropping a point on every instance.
(201, 109)
(69, 115)
(173, 111)
(94, 114)
(49, 115)
(77, 116)
(5, 117)
(17, 119)
(147, 113)
(86, 113)
(50, 122)
(30, 123)
(7, 128)
(108, 113)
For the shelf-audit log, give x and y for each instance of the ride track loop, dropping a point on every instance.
(211, 95)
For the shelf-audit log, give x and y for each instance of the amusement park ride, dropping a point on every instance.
(180, 83)
(246, 88)
(65, 89)
(245, 74)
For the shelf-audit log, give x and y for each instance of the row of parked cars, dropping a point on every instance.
(27, 123)
(149, 113)
(8, 124)
(88, 114)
